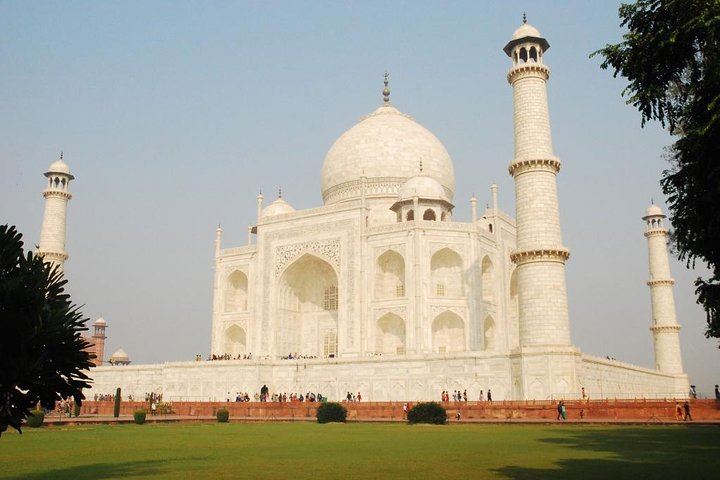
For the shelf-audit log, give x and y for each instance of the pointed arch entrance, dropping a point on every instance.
(307, 307)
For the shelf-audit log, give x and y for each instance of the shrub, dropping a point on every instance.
(331, 412)
(35, 419)
(223, 415)
(428, 412)
(139, 416)
(76, 410)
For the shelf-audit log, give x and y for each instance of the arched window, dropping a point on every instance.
(330, 301)
(330, 344)
(429, 214)
(523, 55)
(410, 215)
(533, 54)
(443, 217)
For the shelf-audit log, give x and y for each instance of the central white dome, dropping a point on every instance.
(386, 147)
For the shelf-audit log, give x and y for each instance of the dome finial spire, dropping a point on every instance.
(524, 18)
(280, 192)
(386, 90)
(420, 166)
(61, 154)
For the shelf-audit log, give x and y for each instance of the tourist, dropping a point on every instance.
(458, 414)
(562, 410)
(693, 392)
(153, 409)
(717, 393)
(489, 395)
(482, 396)
(678, 411)
(686, 407)
(405, 410)
(465, 395)
(559, 410)
(582, 393)
(359, 397)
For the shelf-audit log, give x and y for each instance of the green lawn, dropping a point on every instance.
(289, 451)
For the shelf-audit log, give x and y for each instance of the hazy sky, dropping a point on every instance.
(173, 115)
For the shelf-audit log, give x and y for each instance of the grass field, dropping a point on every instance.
(289, 451)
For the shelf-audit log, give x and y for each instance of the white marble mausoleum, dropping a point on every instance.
(380, 290)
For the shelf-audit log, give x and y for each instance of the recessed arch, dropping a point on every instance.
(410, 215)
(448, 333)
(489, 331)
(236, 292)
(234, 341)
(429, 214)
(390, 335)
(514, 311)
(390, 275)
(307, 304)
(446, 273)
(487, 280)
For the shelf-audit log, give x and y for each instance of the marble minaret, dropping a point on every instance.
(665, 329)
(52, 235)
(540, 255)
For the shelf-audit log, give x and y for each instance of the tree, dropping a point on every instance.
(42, 352)
(671, 57)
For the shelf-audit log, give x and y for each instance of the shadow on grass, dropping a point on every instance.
(97, 471)
(632, 453)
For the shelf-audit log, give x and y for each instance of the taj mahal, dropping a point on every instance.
(380, 290)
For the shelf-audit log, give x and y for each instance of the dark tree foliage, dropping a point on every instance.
(671, 58)
(42, 354)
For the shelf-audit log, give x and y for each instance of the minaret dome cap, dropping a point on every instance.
(59, 166)
(526, 33)
(654, 211)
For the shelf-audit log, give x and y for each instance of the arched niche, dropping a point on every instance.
(390, 335)
(489, 331)
(448, 333)
(487, 280)
(429, 214)
(514, 311)
(307, 304)
(446, 274)
(236, 292)
(234, 341)
(390, 275)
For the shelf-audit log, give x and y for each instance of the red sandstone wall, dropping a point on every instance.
(592, 410)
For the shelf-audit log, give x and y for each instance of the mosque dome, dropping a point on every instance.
(278, 207)
(386, 148)
(423, 187)
(119, 357)
(100, 322)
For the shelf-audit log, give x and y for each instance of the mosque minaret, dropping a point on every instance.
(665, 329)
(52, 234)
(539, 254)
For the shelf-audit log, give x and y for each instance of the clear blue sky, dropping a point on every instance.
(173, 115)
